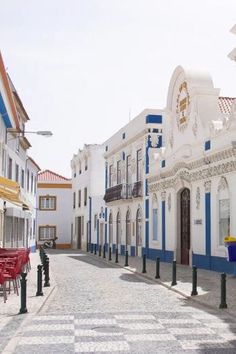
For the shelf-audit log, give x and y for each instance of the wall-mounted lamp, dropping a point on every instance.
(46, 133)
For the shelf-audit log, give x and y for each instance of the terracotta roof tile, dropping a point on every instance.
(225, 104)
(48, 175)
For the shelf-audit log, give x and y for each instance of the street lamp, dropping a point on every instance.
(46, 133)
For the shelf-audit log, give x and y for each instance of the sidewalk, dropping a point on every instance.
(208, 282)
(34, 303)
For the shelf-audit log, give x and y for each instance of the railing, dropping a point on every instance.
(137, 189)
(123, 191)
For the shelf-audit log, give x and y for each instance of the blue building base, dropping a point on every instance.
(164, 255)
(218, 264)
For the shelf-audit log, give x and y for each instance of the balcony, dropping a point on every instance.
(137, 190)
(121, 191)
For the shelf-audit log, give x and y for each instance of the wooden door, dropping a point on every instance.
(185, 225)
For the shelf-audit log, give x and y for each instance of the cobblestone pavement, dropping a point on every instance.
(97, 307)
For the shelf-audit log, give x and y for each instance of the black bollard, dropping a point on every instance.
(91, 247)
(39, 281)
(87, 247)
(95, 249)
(23, 281)
(144, 264)
(173, 273)
(109, 253)
(104, 251)
(116, 256)
(46, 273)
(194, 281)
(100, 251)
(223, 304)
(126, 259)
(157, 268)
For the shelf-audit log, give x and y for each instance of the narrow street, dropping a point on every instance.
(97, 307)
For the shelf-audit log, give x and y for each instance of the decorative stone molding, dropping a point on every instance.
(163, 196)
(222, 185)
(207, 186)
(169, 202)
(198, 198)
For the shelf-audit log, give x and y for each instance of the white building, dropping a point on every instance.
(17, 214)
(88, 186)
(232, 54)
(127, 155)
(54, 209)
(193, 195)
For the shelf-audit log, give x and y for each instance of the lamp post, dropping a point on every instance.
(46, 133)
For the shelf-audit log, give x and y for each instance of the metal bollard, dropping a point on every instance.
(223, 304)
(194, 281)
(23, 282)
(104, 251)
(173, 273)
(109, 253)
(100, 251)
(157, 268)
(91, 247)
(46, 273)
(126, 259)
(95, 249)
(144, 264)
(87, 247)
(39, 281)
(116, 261)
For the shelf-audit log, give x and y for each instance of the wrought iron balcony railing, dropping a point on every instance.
(137, 190)
(121, 191)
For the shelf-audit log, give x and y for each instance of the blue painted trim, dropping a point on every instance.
(153, 118)
(208, 223)
(147, 157)
(147, 208)
(165, 256)
(90, 219)
(122, 250)
(207, 145)
(106, 229)
(147, 238)
(163, 225)
(98, 232)
(146, 187)
(4, 114)
(33, 248)
(217, 264)
(132, 251)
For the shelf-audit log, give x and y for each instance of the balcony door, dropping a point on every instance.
(185, 225)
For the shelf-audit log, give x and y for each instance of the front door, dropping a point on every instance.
(185, 225)
(79, 232)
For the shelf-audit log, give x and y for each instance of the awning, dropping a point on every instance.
(10, 191)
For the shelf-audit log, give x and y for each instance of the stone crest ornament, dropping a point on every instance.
(198, 198)
(223, 184)
(207, 186)
(182, 106)
(169, 202)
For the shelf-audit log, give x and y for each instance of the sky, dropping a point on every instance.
(83, 68)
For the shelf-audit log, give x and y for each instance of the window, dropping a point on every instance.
(47, 202)
(128, 169)
(118, 229)
(139, 165)
(154, 223)
(80, 167)
(79, 198)
(47, 232)
(128, 228)
(85, 196)
(86, 164)
(110, 175)
(110, 229)
(95, 221)
(17, 173)
(22, 178)
(32, 183)
(139, 240)
(74, 200)
(9, 169)
(119, 172)
(224, 220)
(28, 178)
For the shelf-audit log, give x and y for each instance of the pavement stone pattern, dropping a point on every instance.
(93, 306)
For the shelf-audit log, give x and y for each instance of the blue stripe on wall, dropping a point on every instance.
(208, 223)
(147, 157)
(106, 175)
(106, 229)
(163, 218)
(147, 208)
(97, 232)
(218, 264)
(147, 237)
(4, 113)
(90, 219)
(146, 187)
(153, 118)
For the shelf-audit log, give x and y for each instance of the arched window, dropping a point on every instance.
(110, 229)
(154, 218)
(224, 210)
(128, 228)
(80, 168)
(139, 240)
(118, 229)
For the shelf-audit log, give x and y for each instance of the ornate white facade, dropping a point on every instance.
(194, 188)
